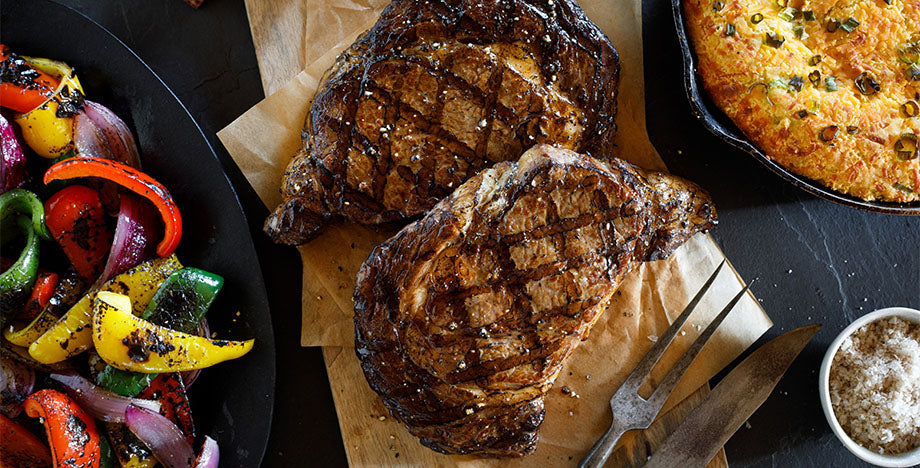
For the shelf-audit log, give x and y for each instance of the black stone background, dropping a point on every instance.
(812, 261)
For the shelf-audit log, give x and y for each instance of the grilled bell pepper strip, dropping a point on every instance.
(129, 343)
(42, 291)
(22, 87)
(66, 293)
(72, 333)
(47, 129)
(71, 432)
(183, 299)
(75, 217)
(169, 390)
(129, 450)
(124, 383)
(19, 448)
(16, 281)
(179, 304)
(24, 202)
(107, 457)
(133, 180)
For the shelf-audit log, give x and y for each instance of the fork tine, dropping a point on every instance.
(673, 376)
(642, 370)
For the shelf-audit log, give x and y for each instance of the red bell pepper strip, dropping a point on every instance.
(169, 390)
(23, 87)
(71, 432)
(131, 179)
(19, 448)
(76, 219)
(41, 294)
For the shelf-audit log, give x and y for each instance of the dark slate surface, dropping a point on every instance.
(812, 261)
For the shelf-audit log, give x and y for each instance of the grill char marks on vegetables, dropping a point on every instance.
(437, 91)
(464, 318)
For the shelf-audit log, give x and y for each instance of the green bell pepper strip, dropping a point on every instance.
(179, 304)
(27, 203)
(182, 300)
(16, 282)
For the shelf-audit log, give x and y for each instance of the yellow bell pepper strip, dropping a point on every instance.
(25, 336)
(47, 130)
(19, 448)
(129, 450)
(72, 333)
(129, 343)
(60, 70)
(22, 87)
(71, 432)
(131, 179)
(66, 293)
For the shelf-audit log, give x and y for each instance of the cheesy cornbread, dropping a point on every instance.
(827, 89)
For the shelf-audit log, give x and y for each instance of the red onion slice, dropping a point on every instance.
(16, 383)
(99, 132)
(209, 455)
(12, 160)
(133, 236)
(100, 403)
(165, 439)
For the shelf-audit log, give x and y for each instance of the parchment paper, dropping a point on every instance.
(264, 138)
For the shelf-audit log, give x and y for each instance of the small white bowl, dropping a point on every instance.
(900, 460)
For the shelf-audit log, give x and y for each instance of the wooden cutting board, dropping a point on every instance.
(279, 31)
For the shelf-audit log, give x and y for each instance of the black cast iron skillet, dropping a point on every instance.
(231, 402)
(720, 125)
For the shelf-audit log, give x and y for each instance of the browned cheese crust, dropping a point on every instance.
(436, 91)
(464, 318)
(776, 80)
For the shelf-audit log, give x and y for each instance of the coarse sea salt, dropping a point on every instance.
(875, 386)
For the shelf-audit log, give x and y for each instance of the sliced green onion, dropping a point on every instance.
(902, 188)
(756, 18)
(718, 6)
(799, 31)
(802, 113)
(774, 40)
(789, 14)
(866, 84)
(815, 77)
(814, 60)
(779, 83)
(849, 25)
(910, 109)
(766, 90)
(729, 29)
(852, 129)
(809, 15)
(829, 133)
(796, 83)
(906, 147)
(832, 25)
(782, 3)
(830, 84)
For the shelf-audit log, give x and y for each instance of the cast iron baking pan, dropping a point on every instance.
(231, 402)
(720, 125)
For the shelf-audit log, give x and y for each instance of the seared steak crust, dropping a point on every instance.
(436, 91)
(464, 318)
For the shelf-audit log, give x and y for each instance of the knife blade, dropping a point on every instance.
(732, 402)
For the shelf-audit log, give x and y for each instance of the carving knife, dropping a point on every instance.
(697, 440)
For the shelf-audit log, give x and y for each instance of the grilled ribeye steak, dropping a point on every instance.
(464, 318)
(436, 91)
